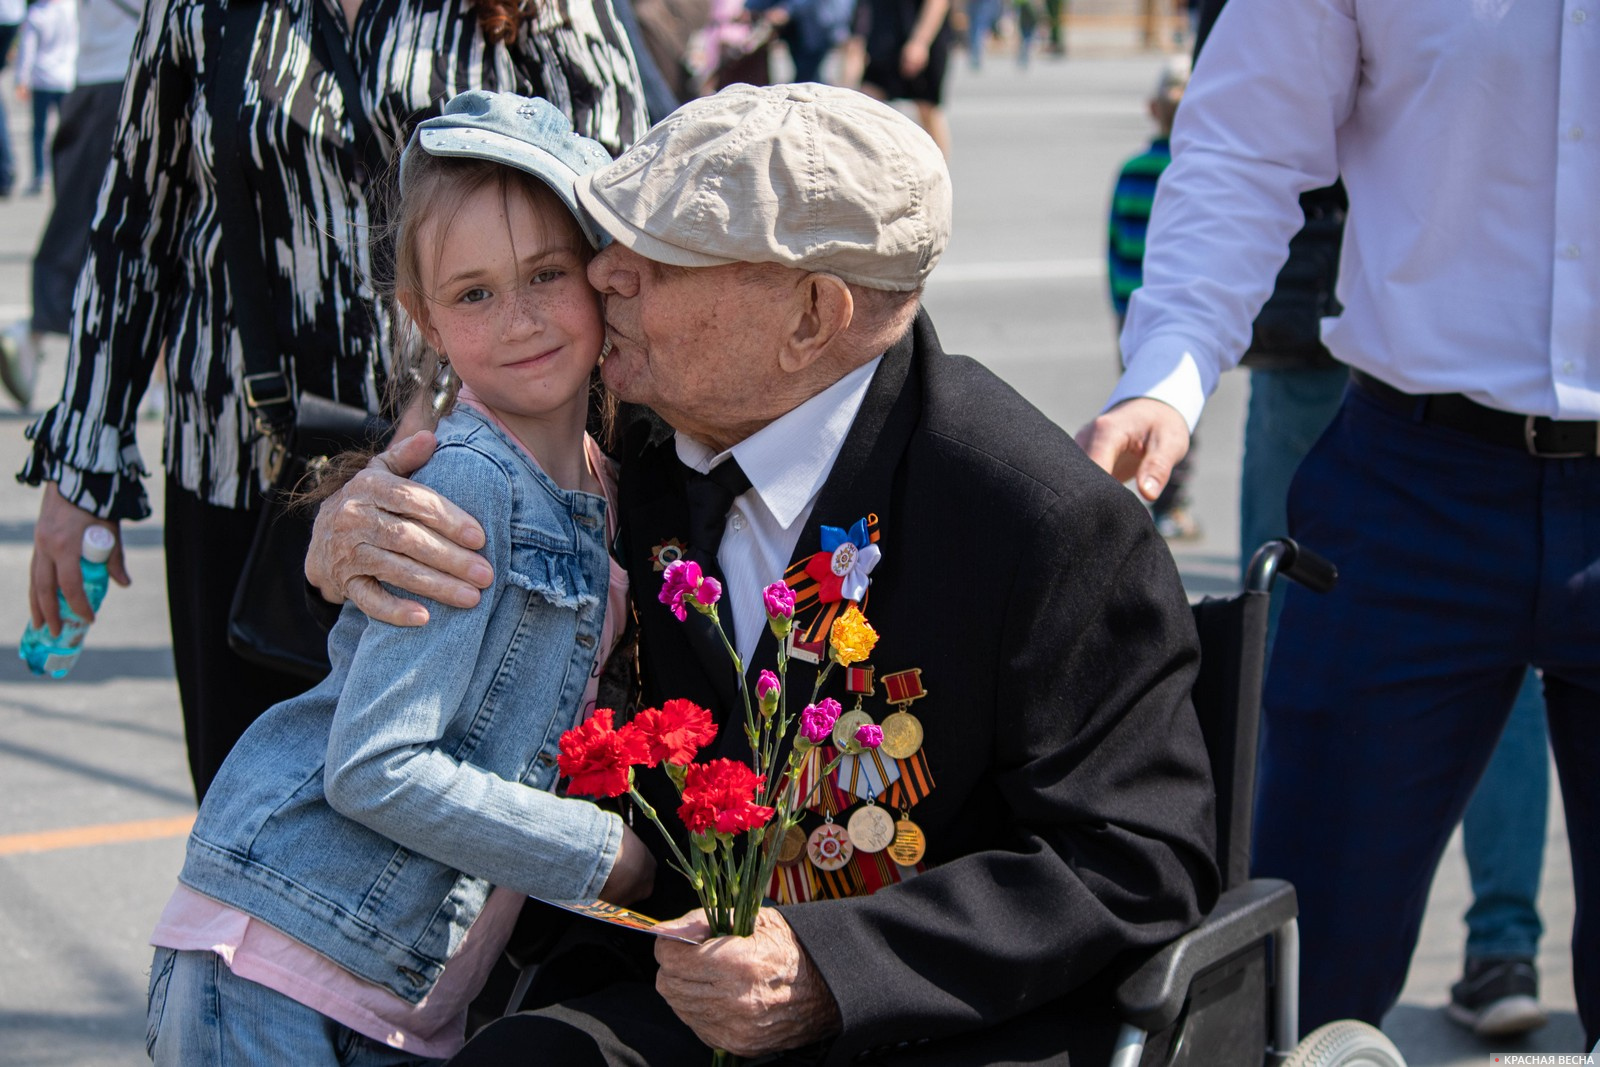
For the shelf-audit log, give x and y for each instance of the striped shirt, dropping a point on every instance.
(1130, 216)
(155, 279)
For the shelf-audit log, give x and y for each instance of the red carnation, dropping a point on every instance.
(674, 732)
(597, 757)
(717, 798)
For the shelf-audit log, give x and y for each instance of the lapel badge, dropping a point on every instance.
(666, 554)
(806, 651)
(847, 558)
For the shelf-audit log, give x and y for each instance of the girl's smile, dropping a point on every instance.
(508, 302)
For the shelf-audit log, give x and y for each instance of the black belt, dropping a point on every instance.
(1535, 434)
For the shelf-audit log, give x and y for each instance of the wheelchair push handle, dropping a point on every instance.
(1285, 556)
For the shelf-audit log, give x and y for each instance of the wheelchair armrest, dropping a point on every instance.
(1153, 996)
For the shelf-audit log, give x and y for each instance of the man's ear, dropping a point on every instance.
(823, 311)
(417, 307)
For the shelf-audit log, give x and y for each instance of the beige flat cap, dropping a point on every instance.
(809, 176)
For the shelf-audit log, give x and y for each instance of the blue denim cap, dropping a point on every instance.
(524, 132)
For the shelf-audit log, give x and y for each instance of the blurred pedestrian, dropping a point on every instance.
(1131, 198)
(982, 17)
(78, 157)
(907, 44)
(12, 12)
(1458, 488)
(1055, 16)
(810, 29)
(47, 62)
(1502, 835)
(157, 276)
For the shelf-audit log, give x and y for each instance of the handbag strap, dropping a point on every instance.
(267, 392)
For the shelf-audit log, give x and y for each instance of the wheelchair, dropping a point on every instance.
(1226, 994)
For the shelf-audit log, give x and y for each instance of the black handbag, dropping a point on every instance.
(270, 622)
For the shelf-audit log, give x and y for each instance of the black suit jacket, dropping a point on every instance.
(1071, 824)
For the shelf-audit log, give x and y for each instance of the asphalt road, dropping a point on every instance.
(94, 789)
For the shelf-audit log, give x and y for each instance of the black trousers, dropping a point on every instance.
(221, 692)
(78, 158)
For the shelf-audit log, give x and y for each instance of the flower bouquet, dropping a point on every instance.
(736, 814)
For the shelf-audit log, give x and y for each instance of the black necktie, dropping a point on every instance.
(710, 496)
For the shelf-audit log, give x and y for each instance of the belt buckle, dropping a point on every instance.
(1530, 438)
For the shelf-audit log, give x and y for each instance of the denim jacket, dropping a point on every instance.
(370, 817)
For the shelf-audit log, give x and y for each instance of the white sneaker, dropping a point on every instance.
(19, 363)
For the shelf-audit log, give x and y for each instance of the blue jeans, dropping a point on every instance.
(201, 1014)
(1503, 835)
(1461, 564)
(981, 17)
(44, 102)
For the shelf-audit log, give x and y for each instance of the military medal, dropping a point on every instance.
(793, 845)
(871, 829)
(845, 727)
(909, 843)
(829, 847)
(902, 735)
(902, 731)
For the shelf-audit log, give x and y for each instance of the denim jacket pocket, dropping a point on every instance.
(553, 574)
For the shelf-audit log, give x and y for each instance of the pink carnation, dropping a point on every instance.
(767, 683)
(779, 601)
(684, 581)
(816, 721)
(869, 735)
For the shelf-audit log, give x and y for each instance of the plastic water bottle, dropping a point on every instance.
(55, 655)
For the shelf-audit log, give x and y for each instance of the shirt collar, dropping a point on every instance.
(788, 459)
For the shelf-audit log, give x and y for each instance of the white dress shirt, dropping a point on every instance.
(787, 462)
(1468, 135)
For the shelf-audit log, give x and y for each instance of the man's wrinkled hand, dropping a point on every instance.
(748, 995)
(381, 527)
(1139, 440)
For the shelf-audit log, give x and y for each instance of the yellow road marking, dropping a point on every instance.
(103, 834)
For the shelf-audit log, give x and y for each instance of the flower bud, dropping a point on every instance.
(768, 690)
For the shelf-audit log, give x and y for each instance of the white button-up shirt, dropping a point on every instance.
(787, 462)
(1468, 137)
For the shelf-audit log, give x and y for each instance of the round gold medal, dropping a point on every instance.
(829, 847)
(902, 735)
(793, 845)
(845, 727)
(871, 828)
(909, 843)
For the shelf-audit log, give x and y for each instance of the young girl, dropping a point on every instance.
(359, 862)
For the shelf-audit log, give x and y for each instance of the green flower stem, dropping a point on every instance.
(822, 678)
(685, 867)
(738, 672)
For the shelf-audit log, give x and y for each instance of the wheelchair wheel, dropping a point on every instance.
(1346, 1043)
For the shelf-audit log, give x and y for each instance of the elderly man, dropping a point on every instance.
(762, 297)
